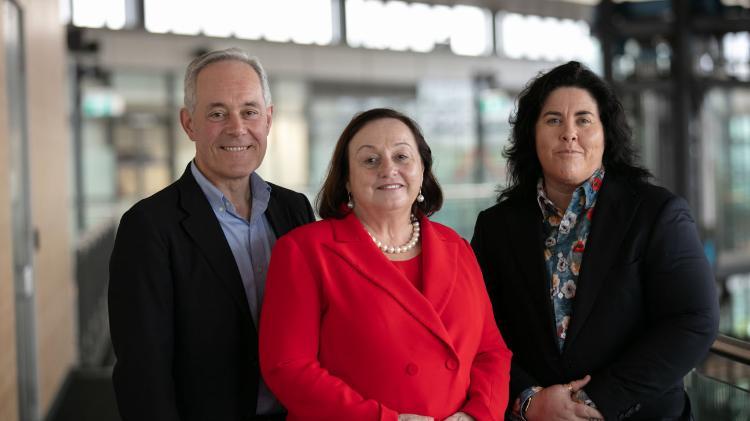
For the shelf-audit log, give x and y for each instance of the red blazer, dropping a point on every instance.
(344, 335)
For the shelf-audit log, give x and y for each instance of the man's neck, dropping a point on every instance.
(240, 194)
(236, 190)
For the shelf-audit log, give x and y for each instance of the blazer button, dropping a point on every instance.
(412, 369)
(451, 364)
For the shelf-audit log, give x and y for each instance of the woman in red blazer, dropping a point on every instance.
(376, 313)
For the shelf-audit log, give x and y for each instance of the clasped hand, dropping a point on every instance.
(557, 403)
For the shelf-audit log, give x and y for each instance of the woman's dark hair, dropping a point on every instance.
(333, 195)
(524, 169)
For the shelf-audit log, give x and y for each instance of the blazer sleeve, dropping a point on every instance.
(289, 335)
(490, 371)
(141, 319)
(520, 379)
(682, 316)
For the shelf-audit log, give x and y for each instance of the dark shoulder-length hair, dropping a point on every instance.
(524, 169)
(333, 195)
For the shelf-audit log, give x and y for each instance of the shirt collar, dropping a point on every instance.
(261, 196)
(589, 189)
(260, 190)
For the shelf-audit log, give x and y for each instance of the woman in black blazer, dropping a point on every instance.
(598, 279)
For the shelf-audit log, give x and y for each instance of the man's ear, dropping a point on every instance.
(269, 116)
(186, 120)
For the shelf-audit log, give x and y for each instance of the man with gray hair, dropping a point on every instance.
(188, 269)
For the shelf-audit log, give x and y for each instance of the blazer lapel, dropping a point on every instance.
(203, 227)
(278, 216)
(613, 214)
(525, 229)
(439, 266)
(355, 246)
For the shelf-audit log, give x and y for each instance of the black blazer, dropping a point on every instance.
(186, 345)
(645, 312)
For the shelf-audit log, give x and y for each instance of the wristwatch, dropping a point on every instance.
(526, 397)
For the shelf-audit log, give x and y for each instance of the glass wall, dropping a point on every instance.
(726, 126)
(453, 114)
(139, 148)
(731, 150)
(132, 143)
(129, 122)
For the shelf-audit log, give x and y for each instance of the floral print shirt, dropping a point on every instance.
(565, 241)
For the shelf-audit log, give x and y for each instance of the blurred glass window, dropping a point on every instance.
(401, 26)
(547, 38)
(311, 22)
(737, 54)
(99, 13)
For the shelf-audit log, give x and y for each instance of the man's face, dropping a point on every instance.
(230, 122)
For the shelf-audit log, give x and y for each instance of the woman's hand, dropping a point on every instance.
(460, 416)
(556, 403)
(413, 417)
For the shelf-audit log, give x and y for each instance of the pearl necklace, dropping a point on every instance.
(399, 249)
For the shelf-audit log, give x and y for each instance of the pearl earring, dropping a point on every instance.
(420, 197)
(350, 203)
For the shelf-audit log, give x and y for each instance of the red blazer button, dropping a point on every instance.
(451, 364)
(412, 369)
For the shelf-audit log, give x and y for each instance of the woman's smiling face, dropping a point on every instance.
(385, 168)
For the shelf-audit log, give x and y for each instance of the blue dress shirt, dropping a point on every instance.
(251, 242)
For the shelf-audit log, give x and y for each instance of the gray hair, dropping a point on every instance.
(195, 67)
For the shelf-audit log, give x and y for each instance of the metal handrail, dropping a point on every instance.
(732, 348)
